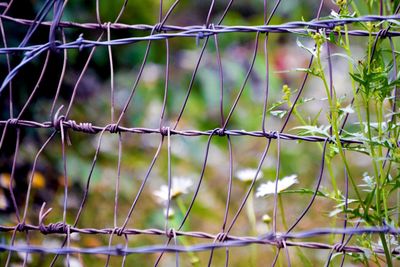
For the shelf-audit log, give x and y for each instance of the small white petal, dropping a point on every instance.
(73, 262)
(283, 184)
(347, 109)
(179, 186)
(247, 175)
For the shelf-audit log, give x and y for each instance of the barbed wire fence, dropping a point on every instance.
(59, 124)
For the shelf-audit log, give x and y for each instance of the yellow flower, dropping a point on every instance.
(5, 179)
(38, 180)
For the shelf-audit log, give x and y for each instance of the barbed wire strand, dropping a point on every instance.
(61, 123)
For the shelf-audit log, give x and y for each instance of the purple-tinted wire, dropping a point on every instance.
(258, 168)
(303, 83)
(287, 253)
(346, 204)
(110, 59)
(161, 22)
(275, 260)
(121, 11)
(98, 12)
(85, 192)
(192, 79)
(60, 228)
(117, 182)
(58, 12)
(38, 50)
(126, 246)
(272, 12)
(203, 169)
(12, 241)
(62, 74)
(109, 246)
(4, 39)
(135, 84)
(88, 128)
(9, 4)
(294, 26)
(209, 13)
(166, 85)
(264, 113)
(250, 188)
(169, 179)
(82, 73)
(64, 160)
(266, 59)
(274, 216)
(346, 200)
(141, 188)
(227, 205)
(26, 254)
(11, 189)
(244, 82)
(198, 32)
(12, 176)
(32, 173)
(268, 239)
(228, 6)
(221, 79)
(88, 61)
(62, 123)
(319, 180)
(36, 87)
(229, 194)
(36, 22)
(196, 191)
(278, 166)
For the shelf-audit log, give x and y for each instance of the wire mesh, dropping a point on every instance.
(48, 42)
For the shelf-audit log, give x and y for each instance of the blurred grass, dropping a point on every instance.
(202, 112)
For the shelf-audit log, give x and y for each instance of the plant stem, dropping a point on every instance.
(251, 215)
(193, 257)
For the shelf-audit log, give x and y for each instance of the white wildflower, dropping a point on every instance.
(73, 262)
(247, 175)
(171, 213)
(179, 186)
(283, 184)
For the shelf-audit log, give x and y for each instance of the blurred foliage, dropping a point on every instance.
(288, 61)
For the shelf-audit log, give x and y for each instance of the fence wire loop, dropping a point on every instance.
(58, 119)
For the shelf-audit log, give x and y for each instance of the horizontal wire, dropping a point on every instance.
(200, 32)
(229, 240)
(91, 129)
